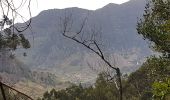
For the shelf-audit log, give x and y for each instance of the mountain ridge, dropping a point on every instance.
(52, 50)
(53, 58)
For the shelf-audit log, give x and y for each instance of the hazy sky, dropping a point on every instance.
(39, 5)
(88, 4)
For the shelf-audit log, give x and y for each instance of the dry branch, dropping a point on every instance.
(91, 44)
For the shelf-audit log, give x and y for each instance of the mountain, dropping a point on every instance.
(69, 60)
(53, 60)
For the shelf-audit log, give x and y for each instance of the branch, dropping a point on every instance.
(96, 50)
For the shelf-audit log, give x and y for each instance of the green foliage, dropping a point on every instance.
(139, 83)
(161, 90)
(102, 90)
(11, 40)
(155, 25)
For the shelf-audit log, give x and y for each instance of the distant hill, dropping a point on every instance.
(65, 58)
(53, 60)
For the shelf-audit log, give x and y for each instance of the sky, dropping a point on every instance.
(39, 5)
(87, 4)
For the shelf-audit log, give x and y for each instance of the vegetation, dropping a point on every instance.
(10, 35)
(140, 82)
(139, 85)
(102, 90)
(11, 39)
(155, 25)
(161, 90)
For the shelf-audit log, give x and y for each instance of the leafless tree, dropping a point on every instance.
(10, 11)
(90, 43)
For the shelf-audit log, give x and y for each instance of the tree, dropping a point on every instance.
(161, 90)
(11, 36)
(155, 25)
(139, 83)
(90, 42)
(102, 90)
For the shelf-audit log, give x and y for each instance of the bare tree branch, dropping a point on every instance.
(11, 35)
(91, 45)
(9, 9)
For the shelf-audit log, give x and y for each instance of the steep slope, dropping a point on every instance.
(119, 37)
(12, 66)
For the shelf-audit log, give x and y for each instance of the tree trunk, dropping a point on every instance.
(120, 84)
